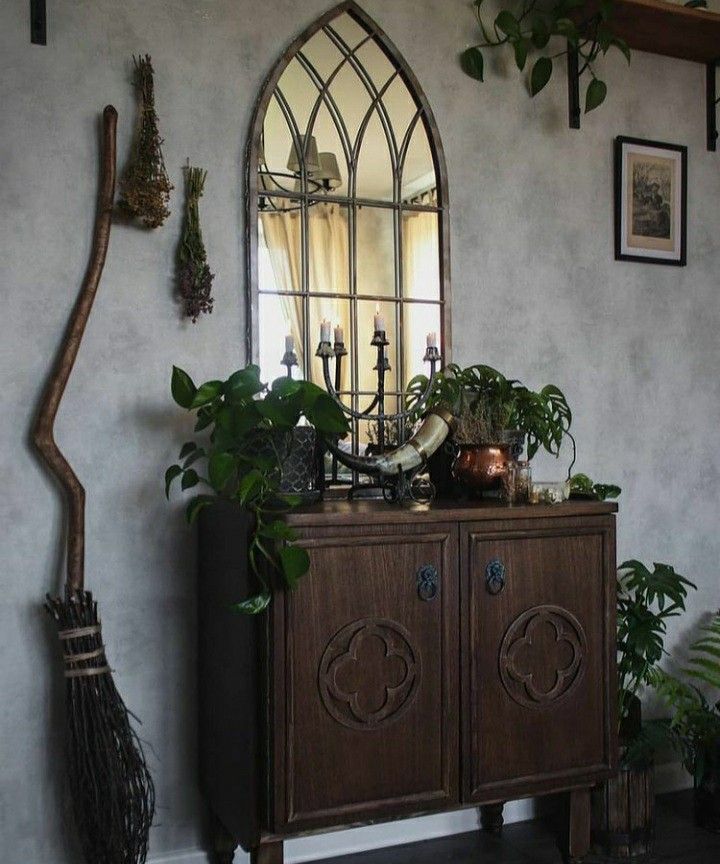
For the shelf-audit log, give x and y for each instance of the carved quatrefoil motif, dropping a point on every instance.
(369, 673)
(543, 656)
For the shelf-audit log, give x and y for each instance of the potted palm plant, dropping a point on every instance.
(695, 722)
(623, 807)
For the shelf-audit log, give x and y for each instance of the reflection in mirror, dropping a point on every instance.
(349, 216)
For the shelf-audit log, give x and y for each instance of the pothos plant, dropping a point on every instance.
(531, 26)
(486, 400)
(244, 432)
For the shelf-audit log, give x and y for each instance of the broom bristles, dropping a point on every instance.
(111, 788)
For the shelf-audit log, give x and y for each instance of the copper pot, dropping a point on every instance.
(481, 467)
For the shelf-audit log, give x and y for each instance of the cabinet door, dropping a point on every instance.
(539, 637)
(366, 719)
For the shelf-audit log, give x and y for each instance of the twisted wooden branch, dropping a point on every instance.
(43, 432)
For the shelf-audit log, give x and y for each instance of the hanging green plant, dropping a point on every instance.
(145, 188)
(528, 26)
(194, 276)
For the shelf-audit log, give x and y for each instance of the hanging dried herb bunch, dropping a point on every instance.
(145, 188)
(194, 276)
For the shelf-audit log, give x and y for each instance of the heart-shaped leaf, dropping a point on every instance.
(508, 23)
(182, 388)
(190, 479)
(172, 472)
(206, 393)
(540, 75)
(521, 52)
(295, 563)
(595, 96)
(220, 469)
(473, 63)
(253, 605)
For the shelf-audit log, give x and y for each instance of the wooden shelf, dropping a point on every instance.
(665, 28)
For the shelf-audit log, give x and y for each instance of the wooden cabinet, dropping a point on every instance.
(366, 693)
(432, 658)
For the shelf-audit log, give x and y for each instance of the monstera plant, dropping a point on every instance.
(243, 435)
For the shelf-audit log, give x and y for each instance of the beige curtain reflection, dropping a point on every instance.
(328, 272)
(421, 268)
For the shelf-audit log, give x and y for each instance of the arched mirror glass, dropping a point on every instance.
(346, 211)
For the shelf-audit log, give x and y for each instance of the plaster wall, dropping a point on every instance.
(536, 292)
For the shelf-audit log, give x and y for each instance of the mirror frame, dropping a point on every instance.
(251, 172)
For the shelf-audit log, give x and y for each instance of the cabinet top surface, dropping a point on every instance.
(378, 512)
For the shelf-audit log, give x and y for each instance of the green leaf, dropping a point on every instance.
(190, 479)
(172, 472)
(220, 468)
(540, 75)
(193, 457)
(243, 384)
(521, 52)
(182, 388)
(327, 417)
(472, 63)
(253, 605)
(196, 505)
(281, 414)
(540, 33)
(286, 386)
(187, 449)
(249, 485)
(295, 563)
(605, 492)
(291, 500)
(206, 393)
(595, 96)
(508, 23)
(278, 530)
(622, 45)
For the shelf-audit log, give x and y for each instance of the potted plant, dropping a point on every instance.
(623, 808)
(695, 722)
(245, 431)
(497, 415)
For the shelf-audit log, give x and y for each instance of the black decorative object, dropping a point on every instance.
(712, 103)
(38, 22)
(650, 202)
(428, 582)
(495, 576)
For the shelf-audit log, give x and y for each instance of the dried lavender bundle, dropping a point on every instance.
(145, 188)
(194, 276)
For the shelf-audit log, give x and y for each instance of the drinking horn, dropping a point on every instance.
(436, 425)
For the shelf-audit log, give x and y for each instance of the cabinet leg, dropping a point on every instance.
(223, 843)
(267, 853)
(576, 843)
(491, 817)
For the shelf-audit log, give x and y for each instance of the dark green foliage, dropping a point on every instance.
(505, 404)
(246, 439)
(529, 26)
(583, 487)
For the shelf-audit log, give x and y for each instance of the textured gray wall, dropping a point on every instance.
(535, 291)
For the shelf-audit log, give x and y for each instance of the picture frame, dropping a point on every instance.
(650, 202)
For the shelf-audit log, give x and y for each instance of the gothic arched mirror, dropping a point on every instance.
(347, 210)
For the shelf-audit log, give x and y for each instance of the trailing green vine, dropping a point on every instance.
(245, 432)
(529, 26)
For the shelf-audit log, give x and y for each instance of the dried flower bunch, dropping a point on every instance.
(194, 276)
(145, 188)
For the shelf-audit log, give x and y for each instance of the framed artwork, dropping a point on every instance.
(650, 202)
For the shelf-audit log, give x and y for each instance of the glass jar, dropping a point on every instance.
(517, 483)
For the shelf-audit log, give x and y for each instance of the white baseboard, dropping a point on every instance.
(669, 777)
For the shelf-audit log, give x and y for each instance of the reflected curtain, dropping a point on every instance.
(421, 269)
(328, 272)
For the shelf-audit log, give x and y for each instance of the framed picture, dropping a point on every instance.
(650, 202)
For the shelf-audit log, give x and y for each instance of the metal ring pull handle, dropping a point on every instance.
(495, 576)
(428, 582)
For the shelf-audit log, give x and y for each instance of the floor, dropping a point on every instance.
(679, 841)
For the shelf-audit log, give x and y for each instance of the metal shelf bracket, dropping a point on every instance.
(712, 103)
(573, 72)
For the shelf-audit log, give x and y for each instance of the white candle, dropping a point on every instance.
(289, 344)
(432, 340)
(339, 335)
(325, 331)
(378, 320)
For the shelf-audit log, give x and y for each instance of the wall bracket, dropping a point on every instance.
(573, 72)
(712, 103)
(38, 22)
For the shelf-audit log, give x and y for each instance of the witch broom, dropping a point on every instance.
(112, 792)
